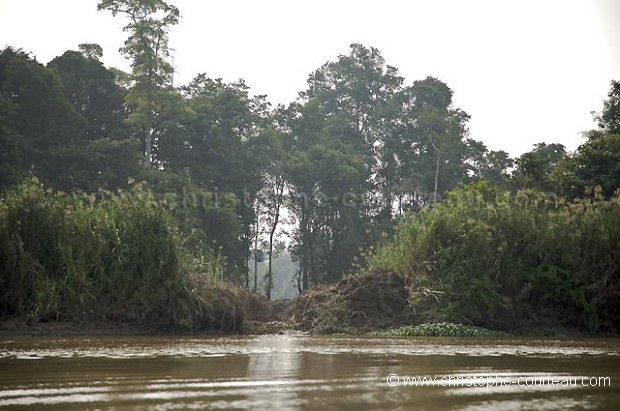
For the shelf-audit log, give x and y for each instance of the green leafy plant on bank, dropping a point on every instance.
(500, 260)
(441, 330)
(105, 256)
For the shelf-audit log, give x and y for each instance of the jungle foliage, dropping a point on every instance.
(105, 257)
(363, 169)
(503, 260)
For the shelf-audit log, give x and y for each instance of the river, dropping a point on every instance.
(300, 372)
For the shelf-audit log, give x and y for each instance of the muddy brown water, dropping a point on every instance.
(300, 372)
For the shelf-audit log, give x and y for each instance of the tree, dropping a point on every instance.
(214, 144)
(595, 164)
(483, 164)
(328, 186)
(91, 51)
(104, 156)
(271, 198)
(361, 141)
(439, 131)
(147, 47)
(534, 168)
(92, 91)
(495, 166)
(58, 121)
(354, 95)
(609, 119)
(338, 132)
(39, 126)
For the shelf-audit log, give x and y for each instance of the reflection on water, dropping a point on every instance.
(292, 372)
(282, 362)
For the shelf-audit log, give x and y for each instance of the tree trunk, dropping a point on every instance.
(278, 201)
(147, 143)
(256, 251)
(436, 169)
(436, 178)
(304, 252)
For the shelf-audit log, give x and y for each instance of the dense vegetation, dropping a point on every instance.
(361, 157)
(105, 257)
(506, 261)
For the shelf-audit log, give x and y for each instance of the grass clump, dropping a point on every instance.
(443, 329)
(105, 257)
(511, 261)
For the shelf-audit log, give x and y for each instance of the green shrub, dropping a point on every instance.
(502, 260)
(114, 257)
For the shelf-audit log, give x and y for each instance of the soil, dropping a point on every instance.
(17, 326)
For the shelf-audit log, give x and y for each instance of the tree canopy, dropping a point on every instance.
(336, 170)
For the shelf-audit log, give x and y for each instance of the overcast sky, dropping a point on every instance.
(526, 71)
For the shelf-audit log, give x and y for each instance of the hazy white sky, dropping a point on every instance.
(525, 70)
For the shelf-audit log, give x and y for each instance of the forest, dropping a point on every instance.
(128, 198)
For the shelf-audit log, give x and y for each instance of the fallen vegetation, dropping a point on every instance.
(353, 305)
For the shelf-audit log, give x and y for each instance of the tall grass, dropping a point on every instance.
(500, 260)
(103, 256)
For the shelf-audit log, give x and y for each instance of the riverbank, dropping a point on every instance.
(259, 316)
(375, 303)
(21, 327)
(119, 265)
(14, 327)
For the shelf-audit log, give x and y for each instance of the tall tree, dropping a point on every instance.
(274, 143)
(333, 163)
(439, 131)
(360, 141)
(147, 47)
(354, 94)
